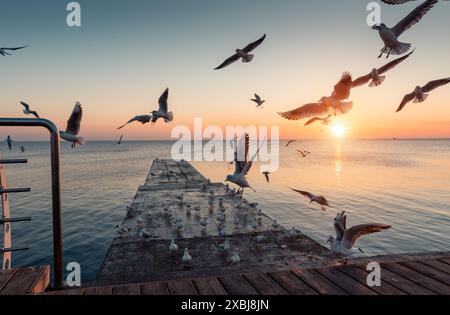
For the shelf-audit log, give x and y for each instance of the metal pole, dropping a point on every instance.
(56, 188)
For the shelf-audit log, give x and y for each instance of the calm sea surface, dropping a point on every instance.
(402, 183)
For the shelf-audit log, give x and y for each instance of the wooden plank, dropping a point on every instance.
(345, 282)
(5, 276)
(291, 283)
(155, 288)
(131, 289)
(41, 281)
(181, 287)
(445, 261)
(21, 282)
(418, 278)
(436, 264)
(360, 275)
(237, 285)
(320, 284)
(209, 286)
(264, 284)
(99, 291)
(429, 272)
(68, 292)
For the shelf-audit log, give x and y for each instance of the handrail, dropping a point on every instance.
(56, 188)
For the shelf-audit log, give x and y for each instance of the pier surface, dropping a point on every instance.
(130, 258)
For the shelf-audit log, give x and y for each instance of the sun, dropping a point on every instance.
(338, 131)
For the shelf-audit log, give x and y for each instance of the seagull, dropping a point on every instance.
(419, 95)
(258, 101)
(242, 165)
(120, 140)
(27, 110)
(9, 141)
(225, 246)
(4, 53)
(73, 127)
(162, 112)
(266, 175)
(204, 223)
(325, 120)
(173, 248)
(390, 35)
(243, 54)
(144, 234)
(275, 224)
(321, 200)
(340, 225)
(187, 258)
(375, 77)
(333, 104)
(398, 1)
(346, 245)
(304, 153)
(22, 148)
(290, 142)
(235, 258)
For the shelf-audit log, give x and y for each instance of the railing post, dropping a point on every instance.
(56, 189)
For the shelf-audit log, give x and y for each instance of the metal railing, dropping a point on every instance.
(56, 188)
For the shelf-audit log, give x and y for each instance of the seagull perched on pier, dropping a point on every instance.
(324, 120)
(73, 127)
(259, 102)
(345, 242)
(4, 53)
(328, 104)
(187, 258)
(321, 200)
(242, 165)
(419, 96)
(27, 110)
(173, 248)
(243, 54)
(9, 141)
(375, 77)
(392, 46)
(162, 112)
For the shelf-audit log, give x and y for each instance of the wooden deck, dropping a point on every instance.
(26, 280)
(413, 277)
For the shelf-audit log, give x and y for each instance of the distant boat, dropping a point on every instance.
(120, 140)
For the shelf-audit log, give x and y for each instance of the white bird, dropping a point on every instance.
(346, 246)
(275, 224)
(73, 127)
(224, 247)
(324, 120)
(162, 112)
(328, 104)
(243, 54)
(375, 77)
(187, 258)
(292, 232)
(27, 110)
(242, 165)
(259, 102)
(260, 238)
(4, 53)
(204, 223)
(144, 234)
(321, 200)
(235, 258)
(392, 46)
(419, 95)
(173, 248)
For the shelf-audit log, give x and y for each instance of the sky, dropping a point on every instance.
(127, 52)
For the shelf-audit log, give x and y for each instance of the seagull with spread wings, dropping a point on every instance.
(27, 110)
(266, 175)
(345, 241)
(259, 102)
(323, 120)
(162, 112)
(4, 53)
(419, 94)
(375, 77)
(394, 2)
(333, 104)
(73, 127)
(392, 46)
(243, 54)
(321, 200)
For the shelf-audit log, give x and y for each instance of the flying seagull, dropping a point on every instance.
(375, 77)
(394, 2)
(120, 140)
(258, 101)
(345, 242)
(325, 120)
(4, 53)
(243, 54)
(27, 110)
(243, 164)
(73, 127)
(9, 141)
(162, 112)
(304, 153)
(290, 142)
(266, 175)
(419, 95)
(321, 200)
(392, 46)
(333, 104)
